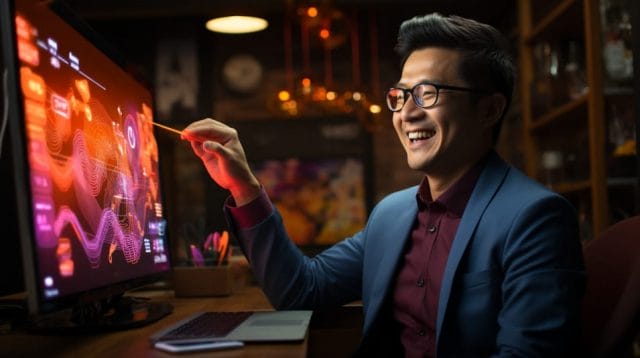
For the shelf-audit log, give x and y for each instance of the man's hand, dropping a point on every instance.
(222, 154)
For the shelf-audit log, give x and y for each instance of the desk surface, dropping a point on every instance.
(134, 342)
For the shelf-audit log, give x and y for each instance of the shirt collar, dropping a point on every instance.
(456, 197)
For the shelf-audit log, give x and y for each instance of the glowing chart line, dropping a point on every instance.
(130, 244)
(63, 158)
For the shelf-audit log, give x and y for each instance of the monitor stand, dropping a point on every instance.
(117, 313)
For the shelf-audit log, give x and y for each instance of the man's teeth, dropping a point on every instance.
(420, 135)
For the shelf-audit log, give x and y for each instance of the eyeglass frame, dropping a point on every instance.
(437, 86)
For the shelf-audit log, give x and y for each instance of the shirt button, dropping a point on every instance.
(432, 228)
(420, 283)
(421, 332)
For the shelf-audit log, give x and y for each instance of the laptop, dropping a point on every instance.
(248, 326)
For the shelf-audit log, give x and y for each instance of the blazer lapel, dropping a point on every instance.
(395, 232)
(487, 185)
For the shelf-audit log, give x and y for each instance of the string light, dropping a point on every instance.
(375, 109)
(317, 96)
(312, 11)
(325, 33)
(284, 96)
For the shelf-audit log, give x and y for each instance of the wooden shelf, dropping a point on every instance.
(549, 20)
(619, 91)
(559, 112)
(571, 187)
(622, 181)
(578, 126)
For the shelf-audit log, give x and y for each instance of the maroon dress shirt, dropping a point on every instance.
(417, 286)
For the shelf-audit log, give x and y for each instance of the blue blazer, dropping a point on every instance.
(512, 285)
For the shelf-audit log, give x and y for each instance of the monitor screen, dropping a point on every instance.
(90, 200)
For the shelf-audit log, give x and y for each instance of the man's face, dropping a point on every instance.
(450, 133)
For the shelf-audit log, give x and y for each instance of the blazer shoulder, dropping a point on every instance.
(507, 190)
(526, 188)
(519, 193)
(399, 197)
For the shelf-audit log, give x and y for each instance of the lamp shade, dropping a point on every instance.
(237, 24)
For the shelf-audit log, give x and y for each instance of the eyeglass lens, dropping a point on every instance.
(424, 95)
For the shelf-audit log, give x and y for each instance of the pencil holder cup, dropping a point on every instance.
(202, 281)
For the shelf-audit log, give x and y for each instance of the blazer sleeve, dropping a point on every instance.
(293, 281)
(543, 282)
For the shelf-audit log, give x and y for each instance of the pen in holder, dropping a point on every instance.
(210, 273)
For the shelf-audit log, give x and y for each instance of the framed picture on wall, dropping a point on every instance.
(176, 77)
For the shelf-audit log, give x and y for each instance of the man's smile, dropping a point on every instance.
(417, 135)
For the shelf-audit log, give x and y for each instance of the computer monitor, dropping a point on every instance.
(89, 202)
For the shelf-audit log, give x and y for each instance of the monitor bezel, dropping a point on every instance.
(36, 303)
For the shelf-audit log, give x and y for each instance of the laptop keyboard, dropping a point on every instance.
(208, 324)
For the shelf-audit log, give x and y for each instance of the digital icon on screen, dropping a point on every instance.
(65, 260)
(33, 86)
(60, 106)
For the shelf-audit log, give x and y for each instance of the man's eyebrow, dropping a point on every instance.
(400, 84)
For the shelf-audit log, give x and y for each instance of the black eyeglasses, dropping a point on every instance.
(424, 94)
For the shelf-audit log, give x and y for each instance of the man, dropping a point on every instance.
(477, 260)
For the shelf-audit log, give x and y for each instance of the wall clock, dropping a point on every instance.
(242, 73)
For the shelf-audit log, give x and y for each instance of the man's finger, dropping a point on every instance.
(208, 129)
(216, 149)
(197, 148)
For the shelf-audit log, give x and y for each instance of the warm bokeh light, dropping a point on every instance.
(290, 107)
(319, 93)
(284, 96)
(312, 11)
(325, 33)
(306, 82)
(237, 24)
(375, 109)
(331, 96)
(357, 96)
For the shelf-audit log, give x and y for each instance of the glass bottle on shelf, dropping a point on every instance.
(552, 167)
(584, 221)
(545, 81)
(617, 50)
(616, 129)
(621, 142)
(574, 75)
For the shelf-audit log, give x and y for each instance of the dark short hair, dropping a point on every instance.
(486, 62)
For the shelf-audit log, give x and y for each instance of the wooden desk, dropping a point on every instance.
(134, 342)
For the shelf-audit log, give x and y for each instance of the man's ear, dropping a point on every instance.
(491, 108)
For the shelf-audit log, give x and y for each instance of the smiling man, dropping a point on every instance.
(477, 260)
